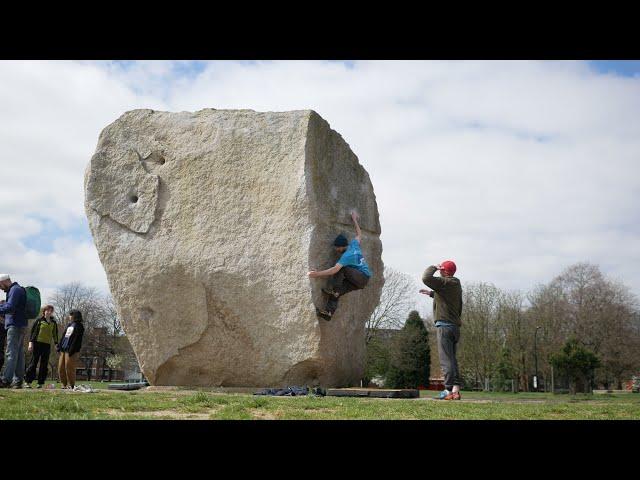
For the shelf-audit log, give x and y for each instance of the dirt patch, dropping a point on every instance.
(214, 390)
(260, 414)
(182, 391)
(162, 413)
(321, 410)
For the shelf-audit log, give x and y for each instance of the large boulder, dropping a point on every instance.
(206, 224)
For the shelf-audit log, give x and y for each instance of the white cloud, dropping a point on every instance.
(513, 169)
(52, 113)
(51, 116)
(69, 261)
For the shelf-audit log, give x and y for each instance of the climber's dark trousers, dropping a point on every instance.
(346, 280)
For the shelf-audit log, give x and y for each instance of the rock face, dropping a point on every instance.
(207, 223)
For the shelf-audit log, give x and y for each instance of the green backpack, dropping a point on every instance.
(32, 305)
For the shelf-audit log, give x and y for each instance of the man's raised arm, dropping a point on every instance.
(436, 283)
(354, 217)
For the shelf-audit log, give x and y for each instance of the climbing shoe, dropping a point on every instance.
(324, 314)
(330, 292)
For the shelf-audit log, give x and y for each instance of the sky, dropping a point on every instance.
(513, 169)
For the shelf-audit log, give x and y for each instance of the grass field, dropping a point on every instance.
(201, 404)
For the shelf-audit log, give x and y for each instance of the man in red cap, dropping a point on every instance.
(447, 308)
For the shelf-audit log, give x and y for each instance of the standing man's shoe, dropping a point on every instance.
(17, 385)
(27, 385)
(443, 394)
(4, 384)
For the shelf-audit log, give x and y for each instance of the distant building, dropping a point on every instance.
(93, 364)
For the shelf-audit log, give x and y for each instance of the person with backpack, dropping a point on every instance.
(350, 273)
(15, 324)
(69, 348)
(43, 332)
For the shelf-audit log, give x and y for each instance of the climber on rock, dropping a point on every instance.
(351, 272)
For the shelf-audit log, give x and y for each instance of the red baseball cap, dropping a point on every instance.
(449, 267)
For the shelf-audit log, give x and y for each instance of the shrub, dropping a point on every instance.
(504, 372)
(576, 363)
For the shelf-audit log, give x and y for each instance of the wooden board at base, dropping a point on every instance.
(373, 392)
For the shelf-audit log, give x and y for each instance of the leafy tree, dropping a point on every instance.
(409, 362)
(505, 372)
(576, 362)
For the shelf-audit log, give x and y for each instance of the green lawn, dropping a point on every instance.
(190, 404)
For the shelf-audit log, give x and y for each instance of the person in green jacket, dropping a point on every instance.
(447, 309)
(43, 333)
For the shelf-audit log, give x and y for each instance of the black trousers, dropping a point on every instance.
(346, 280)
(40, 354)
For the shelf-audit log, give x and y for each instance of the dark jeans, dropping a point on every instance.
(41, 353)
(346, 280)
(448, 337)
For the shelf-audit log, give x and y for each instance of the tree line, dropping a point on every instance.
(514, 331)
(507, 336)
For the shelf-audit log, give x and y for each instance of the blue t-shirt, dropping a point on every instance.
(352, 257)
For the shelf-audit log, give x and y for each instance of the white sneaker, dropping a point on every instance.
(83, 389)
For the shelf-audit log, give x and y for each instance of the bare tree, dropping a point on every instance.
(599, 313)
(481, 332)
(104, 341)
(111, 315)
(396, 300)
(80, 297)
(95, 320)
